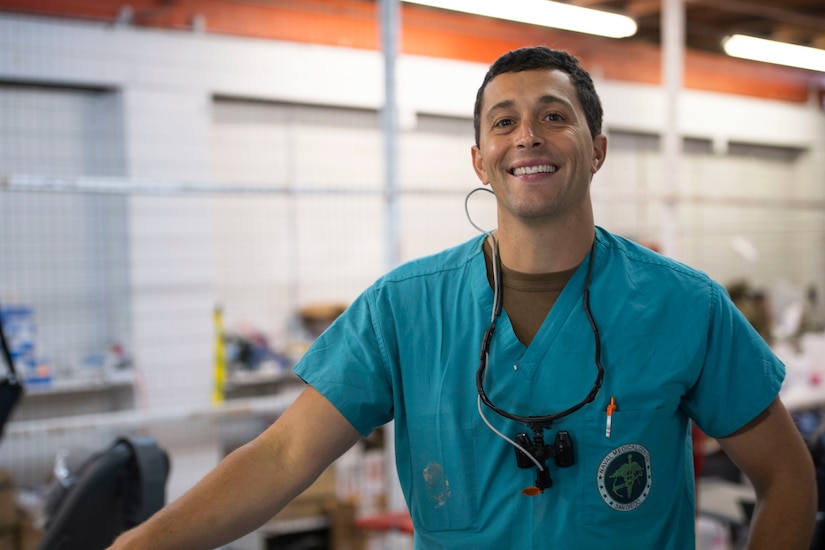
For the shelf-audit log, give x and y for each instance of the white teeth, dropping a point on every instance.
(544, 168)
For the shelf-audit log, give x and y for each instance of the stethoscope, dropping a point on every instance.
(533, 451)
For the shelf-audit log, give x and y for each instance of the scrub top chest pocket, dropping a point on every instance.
(630, 475)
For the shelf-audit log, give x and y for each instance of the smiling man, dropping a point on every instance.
(537, 152)
(570, 429)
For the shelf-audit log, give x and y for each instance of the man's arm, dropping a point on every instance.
(770, 451)
(253, 483)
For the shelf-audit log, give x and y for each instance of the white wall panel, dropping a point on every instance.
(281, 122)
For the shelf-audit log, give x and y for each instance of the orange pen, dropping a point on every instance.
(611, 408)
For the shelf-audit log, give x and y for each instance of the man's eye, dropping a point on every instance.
(553, 117)
(503, 122)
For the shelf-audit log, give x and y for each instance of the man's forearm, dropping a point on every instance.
(229, 502)
(784, 520)
(253, 483)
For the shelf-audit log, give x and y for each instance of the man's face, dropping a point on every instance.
(535, 148)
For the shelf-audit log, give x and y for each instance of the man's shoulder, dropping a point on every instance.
(637, 259)
(643, 257)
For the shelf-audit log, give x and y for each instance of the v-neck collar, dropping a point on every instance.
(504, 340)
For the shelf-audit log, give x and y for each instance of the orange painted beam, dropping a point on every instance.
(720, 73)
(435, 33)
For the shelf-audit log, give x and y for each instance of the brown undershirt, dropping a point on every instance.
(528, 297)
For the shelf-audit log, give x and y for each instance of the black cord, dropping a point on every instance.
(546, 420)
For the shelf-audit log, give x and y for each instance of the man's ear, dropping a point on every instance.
(478, 164)
(599, 152)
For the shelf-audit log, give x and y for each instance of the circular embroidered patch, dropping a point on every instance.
(624, 477)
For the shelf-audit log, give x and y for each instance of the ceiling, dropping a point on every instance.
(707, 22)
(438, 33)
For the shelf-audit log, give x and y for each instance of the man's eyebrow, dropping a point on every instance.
(501, 105)
(547, 99)
(509, 103)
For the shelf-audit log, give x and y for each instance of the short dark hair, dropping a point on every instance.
(542, 57)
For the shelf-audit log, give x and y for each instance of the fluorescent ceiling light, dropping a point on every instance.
(769, 51)
(545, 13)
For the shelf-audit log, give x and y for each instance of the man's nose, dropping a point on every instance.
(528, 136)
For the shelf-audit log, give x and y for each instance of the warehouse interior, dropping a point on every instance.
(190, 191)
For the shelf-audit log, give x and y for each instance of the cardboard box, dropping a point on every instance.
(28, 536)
(345, 534)
(312, 502)
(8, 504)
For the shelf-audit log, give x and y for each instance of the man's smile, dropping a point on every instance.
(536, 169)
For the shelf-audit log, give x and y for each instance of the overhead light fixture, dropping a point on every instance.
(770, 51)
(544, 13)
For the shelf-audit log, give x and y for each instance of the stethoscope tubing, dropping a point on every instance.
(544, 421)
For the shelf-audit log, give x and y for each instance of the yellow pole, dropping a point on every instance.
(219, 371)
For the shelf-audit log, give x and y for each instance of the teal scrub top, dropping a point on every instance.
(673, 347)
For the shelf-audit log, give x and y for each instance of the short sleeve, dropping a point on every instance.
(740, 375)
(347, 364)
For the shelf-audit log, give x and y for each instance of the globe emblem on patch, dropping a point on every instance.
(624, 477)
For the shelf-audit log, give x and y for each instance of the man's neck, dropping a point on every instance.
(544, 250)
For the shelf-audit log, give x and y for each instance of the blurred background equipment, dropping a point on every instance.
(112, 491)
